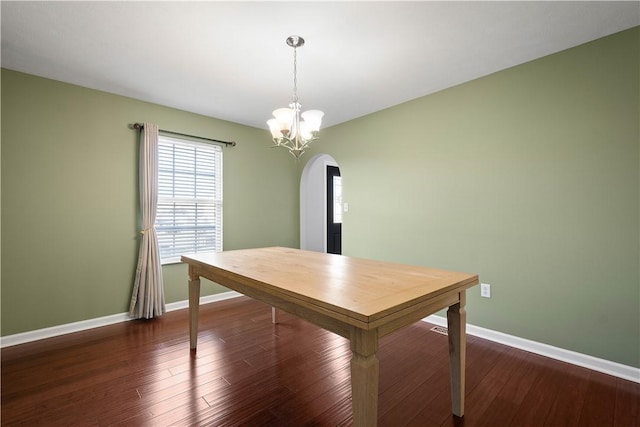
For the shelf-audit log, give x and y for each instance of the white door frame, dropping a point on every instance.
(313, 203)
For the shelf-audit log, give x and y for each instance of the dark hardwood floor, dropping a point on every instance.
(249, 372)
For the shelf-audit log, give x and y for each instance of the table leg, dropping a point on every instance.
(456, 323)
(194, 306)
(274, 315)
(364, 377)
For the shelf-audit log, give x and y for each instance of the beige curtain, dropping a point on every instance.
(147, 300)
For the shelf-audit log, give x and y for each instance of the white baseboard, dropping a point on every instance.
(83, 325)
(601, 365)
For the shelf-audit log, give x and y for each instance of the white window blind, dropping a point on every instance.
(189, 215)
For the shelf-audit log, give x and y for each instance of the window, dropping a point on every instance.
(189, 215)
(337, 199)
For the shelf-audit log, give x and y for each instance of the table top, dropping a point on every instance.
(359, 288)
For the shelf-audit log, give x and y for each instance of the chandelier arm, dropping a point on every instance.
(288, 144)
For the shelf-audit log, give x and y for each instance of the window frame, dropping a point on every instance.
(190, 204)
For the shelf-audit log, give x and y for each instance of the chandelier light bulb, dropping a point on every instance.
(274, 127)
(313, 118)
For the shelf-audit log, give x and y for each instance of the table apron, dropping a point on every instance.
(414, 313)
(336, 322)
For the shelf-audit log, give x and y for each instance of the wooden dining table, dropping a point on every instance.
(359, 299)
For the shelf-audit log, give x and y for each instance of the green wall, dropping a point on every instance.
(70, 216)
(529, 177)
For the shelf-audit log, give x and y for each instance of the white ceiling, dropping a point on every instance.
(229, 59)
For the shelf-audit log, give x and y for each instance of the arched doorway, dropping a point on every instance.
(313, 203)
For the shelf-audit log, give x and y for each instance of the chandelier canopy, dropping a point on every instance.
(289, 127)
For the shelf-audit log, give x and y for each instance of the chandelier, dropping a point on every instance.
(290, 128)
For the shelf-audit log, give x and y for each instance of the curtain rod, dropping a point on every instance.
(140, 126)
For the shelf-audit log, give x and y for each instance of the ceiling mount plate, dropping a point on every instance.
(295, 41)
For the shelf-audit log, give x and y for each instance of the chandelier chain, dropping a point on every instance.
(295, 75)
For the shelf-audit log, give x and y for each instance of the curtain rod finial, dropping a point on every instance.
(137, 126)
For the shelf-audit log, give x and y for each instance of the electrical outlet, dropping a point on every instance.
(485, 290)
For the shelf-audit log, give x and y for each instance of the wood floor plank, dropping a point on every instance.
(481, 358)
(567, 406)
(599, 402)
(509, 396)
(338, 411)
(312, 401)
(250, 372)
(627, 411)
(162, 413)
(409, 406)
(538, 401)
